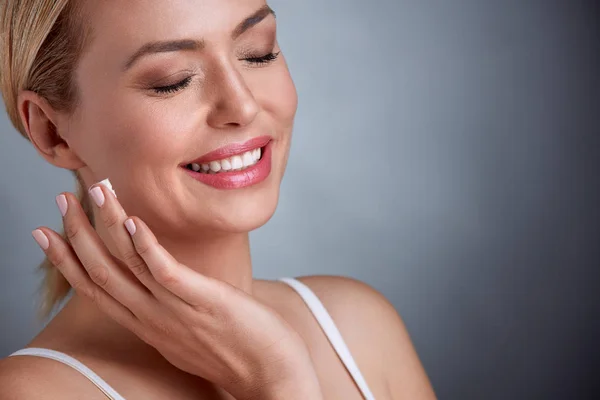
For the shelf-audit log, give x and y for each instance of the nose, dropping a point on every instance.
(233, 103)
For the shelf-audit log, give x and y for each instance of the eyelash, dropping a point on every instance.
(266, 59)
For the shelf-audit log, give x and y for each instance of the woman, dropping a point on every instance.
(186, 107)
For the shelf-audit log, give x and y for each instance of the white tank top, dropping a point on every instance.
(311, 300)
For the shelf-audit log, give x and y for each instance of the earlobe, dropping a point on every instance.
(39, 121)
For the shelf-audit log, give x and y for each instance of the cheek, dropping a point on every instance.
(279, 97)
(160, 131)
(148, 133)
(280, 101)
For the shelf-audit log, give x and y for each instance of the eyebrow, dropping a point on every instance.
(194, 44)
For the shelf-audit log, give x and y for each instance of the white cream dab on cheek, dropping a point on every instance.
(107, 183)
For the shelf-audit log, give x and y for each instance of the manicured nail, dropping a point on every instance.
(41, 239)
(107, 183)
(130, 225)
(61, 202)
(97, 195)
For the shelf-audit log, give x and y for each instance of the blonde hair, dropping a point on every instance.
(41, 42)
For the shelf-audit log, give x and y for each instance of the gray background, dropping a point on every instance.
(445, 153)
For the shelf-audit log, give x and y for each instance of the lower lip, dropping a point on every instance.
(237, 179)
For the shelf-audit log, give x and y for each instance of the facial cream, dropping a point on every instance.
(107, 183)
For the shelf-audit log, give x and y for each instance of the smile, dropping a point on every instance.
(235, 163)
(235, 166)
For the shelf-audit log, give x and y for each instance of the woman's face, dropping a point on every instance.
(140, 121)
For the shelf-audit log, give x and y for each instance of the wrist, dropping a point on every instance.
(300, 390)
(293, 377)
(301, 384)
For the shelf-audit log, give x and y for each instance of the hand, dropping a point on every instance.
(201, 325)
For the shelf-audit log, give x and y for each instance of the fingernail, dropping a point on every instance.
(97, 195)
(61, 202)
(41, 239)
(107, 183)
(130, 225)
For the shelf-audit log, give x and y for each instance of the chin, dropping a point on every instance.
(235, 210)
(244, 212)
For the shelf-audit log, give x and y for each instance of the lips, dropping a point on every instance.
(231, 150)
(235, 179)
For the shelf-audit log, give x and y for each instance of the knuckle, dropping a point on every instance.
(56, 256)
(221, 294)
(217, 315)
(99, 274)
(134, 262)
(94, 296)
(84, 288)
(167, 277)
(110, 220)
(71, 230)
(59, 263)
(130, 257)
(162, 327)
(143, 248)
(137, 266)
(214, 302)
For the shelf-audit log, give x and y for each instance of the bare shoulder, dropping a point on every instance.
(374, 331)
(340, 293)
(26, 377)
(359, 310)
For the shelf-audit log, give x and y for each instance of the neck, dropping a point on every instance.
(226, 257)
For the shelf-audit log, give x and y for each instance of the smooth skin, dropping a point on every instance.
(201, 325)
(173, 311)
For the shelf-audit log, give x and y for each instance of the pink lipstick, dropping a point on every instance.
(233, 166)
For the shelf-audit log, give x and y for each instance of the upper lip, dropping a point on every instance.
(231, 150)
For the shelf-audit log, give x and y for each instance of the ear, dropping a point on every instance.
(43, 126)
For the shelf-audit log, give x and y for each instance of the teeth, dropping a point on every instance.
(215, 166)
(248, 159)
(234, 163)
(226, 165)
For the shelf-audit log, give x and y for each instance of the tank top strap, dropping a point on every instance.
(313, 303)
(332, 332)
(73, 363)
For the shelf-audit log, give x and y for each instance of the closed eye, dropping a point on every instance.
(173, 88)
(262, 60)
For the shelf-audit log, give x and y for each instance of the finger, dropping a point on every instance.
(62, 256)
(113, 216)
(97, 260)
(189, 285)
